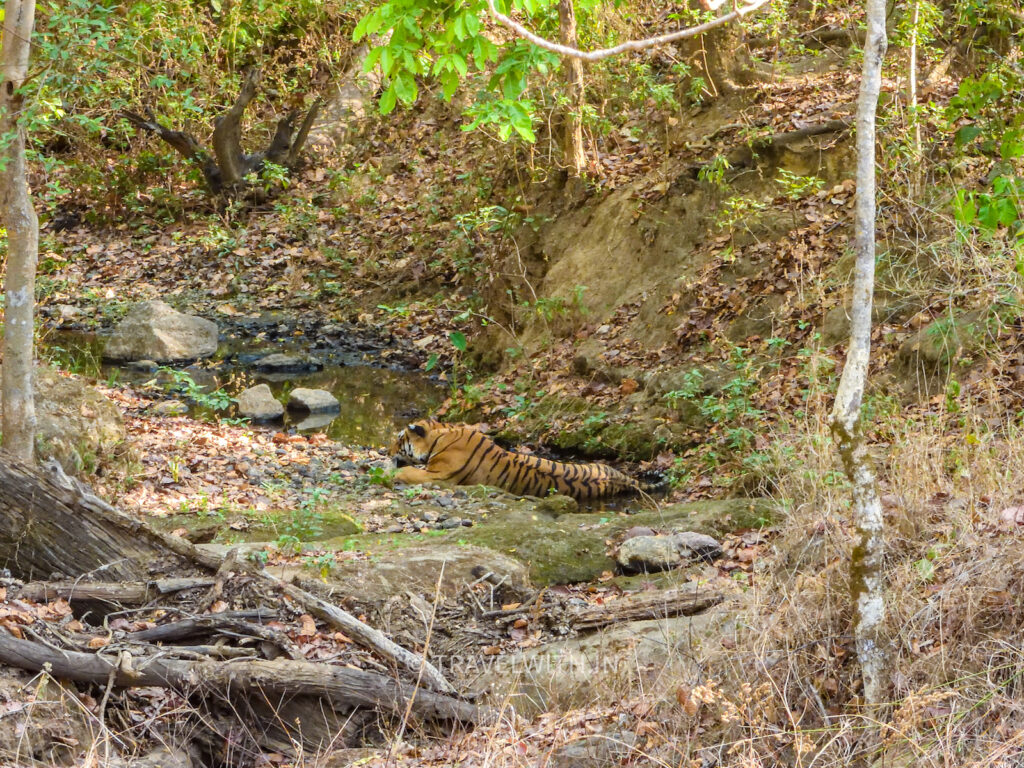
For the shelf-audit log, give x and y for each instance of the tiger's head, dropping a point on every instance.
(412, 444)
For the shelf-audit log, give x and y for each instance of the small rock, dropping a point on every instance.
(279, 362)
(170, 408)
(451, 523)
(143, 366)
(394, 529)
(558, 504)
(697, 546)
(661, 553)
(313, 400)
(259, 403)
(430, 517)
(1013, 515)
(605, 751)
(639, 530)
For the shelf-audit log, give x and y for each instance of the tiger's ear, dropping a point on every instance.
(418, 429)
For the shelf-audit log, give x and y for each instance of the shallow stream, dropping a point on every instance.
(376, 395)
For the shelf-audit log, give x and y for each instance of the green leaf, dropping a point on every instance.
(431, 362)
(526, 132)
(458, 340)
(388, 100)
(405, 87)
(967, 134)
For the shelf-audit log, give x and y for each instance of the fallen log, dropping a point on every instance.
(341, 687)
(661, 604)
(126, 593)
(424, 671)
(216, 623)
(49, 523)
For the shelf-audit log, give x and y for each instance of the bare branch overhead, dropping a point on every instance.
(632, 45)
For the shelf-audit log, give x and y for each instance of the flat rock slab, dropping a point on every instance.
(259, 403)
(279, 362)
(153, 330)
(423, 571)
(313, 400)
(582, 670)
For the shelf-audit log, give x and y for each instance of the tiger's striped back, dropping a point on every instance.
(465, 456)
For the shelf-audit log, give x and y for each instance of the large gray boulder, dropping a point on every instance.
(259, 403)
(153, 330)
(75, 424)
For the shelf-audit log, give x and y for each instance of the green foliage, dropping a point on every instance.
(181, 59)
(714, 172)
(444, 42)
(797, 187)
(991, 125)
(183, 383)
(381, 476)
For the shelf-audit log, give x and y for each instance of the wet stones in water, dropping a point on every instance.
(259, 403)
(153, 330)
(313, 401)
(143, 366)
(649, 554)
(279, 362)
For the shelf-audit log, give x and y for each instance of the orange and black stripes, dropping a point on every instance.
(465, 456)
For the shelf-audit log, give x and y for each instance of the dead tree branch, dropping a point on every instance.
(738, 12)
(227, 166)
(340, 686)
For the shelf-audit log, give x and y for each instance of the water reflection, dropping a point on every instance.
(375, 401)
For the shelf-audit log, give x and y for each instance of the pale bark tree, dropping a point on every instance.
(19, 219)
(867, 565)
(572, 138)
(867, 575)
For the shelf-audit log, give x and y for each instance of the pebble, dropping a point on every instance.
(430, 517)
(451, 522)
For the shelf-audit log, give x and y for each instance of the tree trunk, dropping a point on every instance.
(19, 219)
(572, 138)
(50, 524)
(867, 564)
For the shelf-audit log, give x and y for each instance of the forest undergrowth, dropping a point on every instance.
(439, 235)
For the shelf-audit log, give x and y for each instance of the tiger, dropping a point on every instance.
(463, 455)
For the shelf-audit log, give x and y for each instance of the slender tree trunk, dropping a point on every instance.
(915, 121)
(867, 565)
(572, 138)
(19, 219)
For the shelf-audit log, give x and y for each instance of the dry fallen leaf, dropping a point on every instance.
(308, 628)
